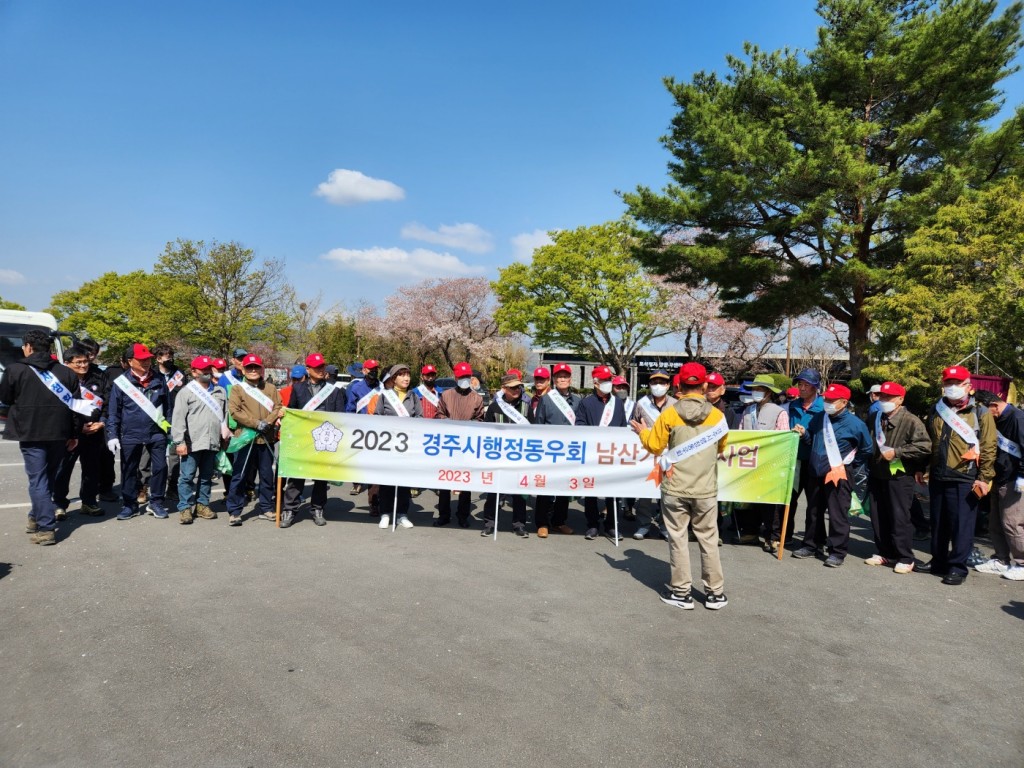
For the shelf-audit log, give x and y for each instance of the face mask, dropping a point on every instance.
(205, 378)
(604, 387)
(621, 393)
(887, 407)
(659, 390)
(830, 409)
(757, 397)
(746, 399)
(954, 393)
(463, 383)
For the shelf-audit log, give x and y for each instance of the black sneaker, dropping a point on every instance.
(716, 602)
(679, 601)
(804, 552)
(520, 530)
(591, 534)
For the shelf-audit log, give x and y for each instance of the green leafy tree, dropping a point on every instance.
(962, 283)
(796, 179)
(587, 293)
(4, 304)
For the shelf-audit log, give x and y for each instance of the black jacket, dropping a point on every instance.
(302, 394)
(1011, 426)
(36, 414)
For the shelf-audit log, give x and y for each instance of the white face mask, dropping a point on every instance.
(746, 399)
(757, 397)
(463, 383)
(604, 387)
(887, 406)
(954, 392)
(831, 409)
(659, 390)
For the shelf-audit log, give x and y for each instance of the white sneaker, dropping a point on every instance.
(385, 521)
(992, 565)
(1014, 573)
(641, 532)
(405, 522)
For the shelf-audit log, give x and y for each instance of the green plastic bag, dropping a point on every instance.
(223, 463)
(239, 442)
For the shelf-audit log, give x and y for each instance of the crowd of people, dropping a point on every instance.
(172, 431)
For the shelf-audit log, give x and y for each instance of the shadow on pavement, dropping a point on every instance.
(5, 569)
(649, 571)
(1015, 608)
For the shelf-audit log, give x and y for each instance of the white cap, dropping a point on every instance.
(875, 389)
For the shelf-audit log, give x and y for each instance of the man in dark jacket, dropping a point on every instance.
(39, 392)
(137, 422)
(508, 407)
(557, 406)
(1006, 515)
(599, 408)
(902, 447)
(314, 394)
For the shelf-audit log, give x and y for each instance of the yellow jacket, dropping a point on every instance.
(696, 476)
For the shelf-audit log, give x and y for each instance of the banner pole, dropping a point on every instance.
(615, 511)
(278, 502)
(782, 533)
(497, 509)
(394, 512)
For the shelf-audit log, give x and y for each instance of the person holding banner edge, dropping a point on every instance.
(805, 407)
(557, 406)
(692, 433)
(314, 394)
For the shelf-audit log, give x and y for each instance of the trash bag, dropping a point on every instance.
(238, 442)
(223, 463)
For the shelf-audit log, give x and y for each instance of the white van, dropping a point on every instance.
(14, 324)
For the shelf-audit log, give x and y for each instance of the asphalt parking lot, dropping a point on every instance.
(151, 643)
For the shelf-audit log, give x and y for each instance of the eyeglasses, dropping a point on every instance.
(78, 362)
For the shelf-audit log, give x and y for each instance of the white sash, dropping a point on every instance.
(392, 398)
(90, 396)
(429, 396)
(608, 412)
(256, 395)
(630, 406)
(514, 416)
(1008, 446)
(835, 458)
(957, 424)
(649, 409)
(365, 399)
(81, 407)
(174, 381)
(323, 394)
(156, 414)
(696, 444)
(207, 399)
(879, 434)
(563, 406)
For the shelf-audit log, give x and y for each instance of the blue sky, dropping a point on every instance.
(366, 144)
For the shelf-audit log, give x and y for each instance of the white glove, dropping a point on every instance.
(1019, 485)
(114, 445)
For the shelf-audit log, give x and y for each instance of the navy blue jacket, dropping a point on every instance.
(548, 413)
(850, 433)
(301, 394)
(1011, 426)
(591, 408)
(129, 423)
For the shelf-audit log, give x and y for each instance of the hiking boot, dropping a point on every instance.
(142, 497)
(31, 526)
(60, 513)
(318, 516)
(185, 517)
(90, 510)
(205, 512)
(44, 538)
(287, 518)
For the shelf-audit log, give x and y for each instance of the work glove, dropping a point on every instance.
(114, 445)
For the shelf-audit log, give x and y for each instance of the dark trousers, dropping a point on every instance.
(444, 505)
(42, 459)
(131, 457)
(954, 512)
(592, 515)
(551, 511)
(891, 501)
(293, 488)
(261, 456)
(750, 520)
(802, 481)
(518, 507)
(88, 451)
(107, 476)
(831, 501)
(387, 497)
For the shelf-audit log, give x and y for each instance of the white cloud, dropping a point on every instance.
(345, 187)
(11, 277)
(417, 264)
(466, 237)
(524, 244)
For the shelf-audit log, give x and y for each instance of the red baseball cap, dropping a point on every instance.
(203, 361)
(620, 381)
(370, 364)
(314, 360)
(836, 392)
(427, 369)
(602, 372)
(956, 373)
(541, 373)
(892, 388)
(561, 368)
(715, 379)
(252, 360)
(514, 372)
(220, 363)
(140, 352)
(692, 374)
(462, 369)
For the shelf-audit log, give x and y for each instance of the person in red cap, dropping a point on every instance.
(557, 406)
(460, 403)
(646, 411)
(962, 467)
(427, 391)
(840, 447)
(902, 449)
(198, 430)
(255, 404)
(137, 412)
(362, 391)
(541, 385)
(316, 393)
(690, 434)
(600, 409)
